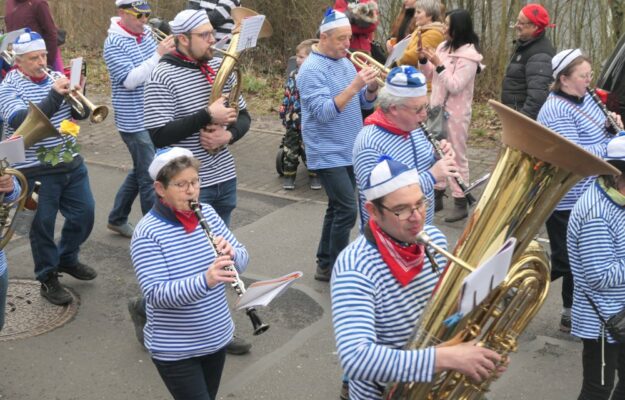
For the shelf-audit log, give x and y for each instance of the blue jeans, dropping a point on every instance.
(222, 197)
(194, 378)
(340, 186)
(4, 286)
(70, 193)
(138, 181)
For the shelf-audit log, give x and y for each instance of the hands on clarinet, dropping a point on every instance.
(222, 269)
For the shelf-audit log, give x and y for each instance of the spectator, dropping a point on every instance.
(403, 25)
(363, 17)
(219, 14)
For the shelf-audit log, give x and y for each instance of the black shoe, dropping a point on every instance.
(460, 210)
(438, 199)
(344, 391)
(565, 324)
(79, 271)
(238, 346)
(323, 274)
(54, 292)
(137, 315)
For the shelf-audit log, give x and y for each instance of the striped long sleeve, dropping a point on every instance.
(9, 197)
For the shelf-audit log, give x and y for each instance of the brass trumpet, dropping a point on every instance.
(157, 34)
(77, 99)
(364, 60)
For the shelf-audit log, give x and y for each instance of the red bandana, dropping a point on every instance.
(30, 77)
(378, 118)
(138, 36)
(208, 72)
(188, 219)
(405, 262)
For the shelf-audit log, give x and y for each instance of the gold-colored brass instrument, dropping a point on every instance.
(364, 60)
(535, 169)
(35, 127)
(8, 56)
(7, 221)
(77, 99)
(157, 34)
(230, 62)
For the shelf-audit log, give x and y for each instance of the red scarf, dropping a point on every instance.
(379, 118)
(33, 79)
(208, 72)
(188, 219)
(138, 36)
(405, 262)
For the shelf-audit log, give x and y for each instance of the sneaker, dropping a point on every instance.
(288, 182)
(125, 230)
(315, 183)
(54, 292)
(344, 391)
(79, 271)
(323, 274)
(565, 324)
(238, 346)
(137, 315)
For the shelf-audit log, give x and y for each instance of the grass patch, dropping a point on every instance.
(485, 128)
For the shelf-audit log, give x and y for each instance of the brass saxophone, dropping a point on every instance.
(535, 169)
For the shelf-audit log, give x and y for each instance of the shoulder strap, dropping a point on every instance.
(592, 303)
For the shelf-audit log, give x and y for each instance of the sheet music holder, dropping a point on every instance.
(13, 150)
(262, 293)
(250, 29)
(481, 282)
(397, 52)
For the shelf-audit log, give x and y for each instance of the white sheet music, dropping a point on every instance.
(13, 150)
(75, 72)
(479, 283)
(398, 50)
(250, 29)
(262, 293)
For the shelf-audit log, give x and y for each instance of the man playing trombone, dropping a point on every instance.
(65, 185)
(131, 52)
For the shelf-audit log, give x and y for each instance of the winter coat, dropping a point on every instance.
(36, 15)
(362, 33)
(528, 76)
(431, 36)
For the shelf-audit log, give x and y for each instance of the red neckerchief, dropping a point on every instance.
(405, 262)
(188, 219)
(138, 36)
(32, 78)
(208, 72)
(378, 118)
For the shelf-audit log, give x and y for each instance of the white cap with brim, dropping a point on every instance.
(563, 59)
(164, 156)
(187, 20)
(140, 6)
(388, 176)
(27, 42)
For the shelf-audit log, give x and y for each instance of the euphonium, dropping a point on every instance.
(364, 60)
(535, 169)
(7, 222)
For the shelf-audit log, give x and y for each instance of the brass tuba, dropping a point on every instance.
(229, 65)
(7, 222)
(35, 127)
(535, 169)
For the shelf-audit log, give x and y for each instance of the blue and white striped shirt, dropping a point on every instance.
(374, 316)
(328, 133)
(582, 124)
(9, 197)
(174, 92)
(16, 91)
(185, 318)
(124, 56)
(596, 244)
(414, 151)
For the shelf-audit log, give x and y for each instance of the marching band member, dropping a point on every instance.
(380, 286)
(596, 245)
(393, 129)
(219, 14)
(10, 188)
(64, 186)
(176, 113)
(570, 111)
(130, 54)
(188, 319)
(332, 94)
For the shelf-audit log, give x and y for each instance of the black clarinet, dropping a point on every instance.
(439, 151)
(237, 285)
(613, 124)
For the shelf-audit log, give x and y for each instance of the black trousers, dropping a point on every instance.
(560, 268)
(591, 362)
(193, 378)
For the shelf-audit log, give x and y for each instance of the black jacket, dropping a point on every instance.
(528, 76)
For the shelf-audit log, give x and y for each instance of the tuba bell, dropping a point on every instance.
(8, 221)
(535, 169)
(35, 127)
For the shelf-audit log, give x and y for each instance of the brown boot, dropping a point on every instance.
(438, 199)
(460, 210)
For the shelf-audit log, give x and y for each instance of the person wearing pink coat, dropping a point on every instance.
(452, 67)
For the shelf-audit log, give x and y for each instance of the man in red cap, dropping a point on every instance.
(528, 76)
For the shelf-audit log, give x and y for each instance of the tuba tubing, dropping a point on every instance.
(7, 223)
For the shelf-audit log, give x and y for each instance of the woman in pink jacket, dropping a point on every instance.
(452, 68)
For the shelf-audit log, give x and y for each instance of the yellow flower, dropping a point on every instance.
(69, 128)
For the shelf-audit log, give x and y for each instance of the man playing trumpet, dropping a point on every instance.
(177, 113)
(65, 185)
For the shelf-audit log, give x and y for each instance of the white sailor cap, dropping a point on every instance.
(188, 20)
(406, 81)
(164, 156)
(140, 6)
(388, 176)
(563, 59)
(27, 42)
(333, 19)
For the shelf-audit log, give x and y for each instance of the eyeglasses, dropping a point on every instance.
(418, 110)
(521, 23)
(204, 35)
(138, 15)
(184, 185)
(404, 213)
(587, 75)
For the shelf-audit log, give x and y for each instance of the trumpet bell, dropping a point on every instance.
(35, 127)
